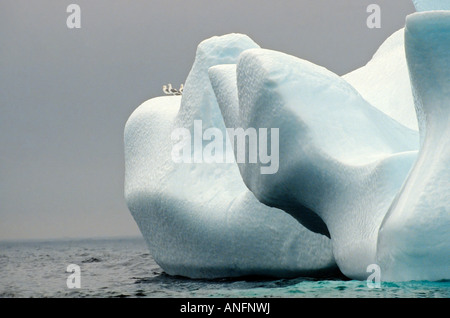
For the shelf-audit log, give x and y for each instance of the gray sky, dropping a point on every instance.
(65, 94)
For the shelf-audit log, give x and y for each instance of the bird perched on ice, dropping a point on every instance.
(169, 90)
(174, 91)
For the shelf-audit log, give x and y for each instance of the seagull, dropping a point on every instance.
(165, 89)
(174, 91)
(169, 90)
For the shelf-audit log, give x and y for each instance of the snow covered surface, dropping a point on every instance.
(362, 179)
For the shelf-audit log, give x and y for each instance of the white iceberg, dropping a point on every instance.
(355, 163)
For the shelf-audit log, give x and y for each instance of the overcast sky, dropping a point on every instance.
(65, 94)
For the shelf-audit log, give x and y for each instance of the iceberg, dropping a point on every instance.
(362, 175)
(199, 220)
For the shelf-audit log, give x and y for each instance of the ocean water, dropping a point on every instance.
(124, 268)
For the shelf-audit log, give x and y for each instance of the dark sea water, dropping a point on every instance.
(124, 268)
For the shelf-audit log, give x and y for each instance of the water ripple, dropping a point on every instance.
(123, 268)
